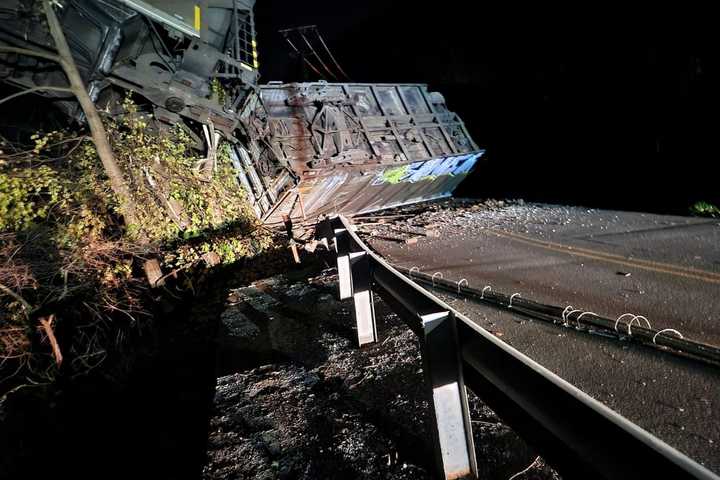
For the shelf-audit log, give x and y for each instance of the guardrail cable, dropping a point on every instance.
(577, 320)
(638, 328)
(667, 330)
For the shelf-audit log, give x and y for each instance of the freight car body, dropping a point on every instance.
(353, 148)
(301, 149)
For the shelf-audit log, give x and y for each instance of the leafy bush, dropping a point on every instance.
(705, 209)
(64, 249)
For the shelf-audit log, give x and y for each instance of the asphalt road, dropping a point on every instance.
(665, 268)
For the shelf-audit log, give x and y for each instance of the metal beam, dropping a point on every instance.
(364, 310)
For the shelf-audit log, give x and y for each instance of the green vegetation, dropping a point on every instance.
(705, 209)
(67, 257)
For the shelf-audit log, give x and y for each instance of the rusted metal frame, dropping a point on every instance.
(292, 206)
(261, 182)
(245, 182)
(266, 183)
(439, 123)
(301, 203)
(415, 125)
(267, 190)
(359, 117)
(319, 148)
(255, 180)
(426, 142)
(398, 139)
(388, 122)
(467, 134)
(364, 132)
(360, 270)
(428, 103)
(276, 206)
(413, 121)
(448, 139)
(393, 125)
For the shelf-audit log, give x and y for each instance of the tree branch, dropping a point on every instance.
(46, 324)
(28, 308)
(31, 53)
(104, 150)
(35, 89)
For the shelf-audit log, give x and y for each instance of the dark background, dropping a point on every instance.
(598, 105)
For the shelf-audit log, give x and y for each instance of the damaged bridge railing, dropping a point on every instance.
(578, 435)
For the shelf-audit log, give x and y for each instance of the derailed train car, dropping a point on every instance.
(301, 149)
(355, 148)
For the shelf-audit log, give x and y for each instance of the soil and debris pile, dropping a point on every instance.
(299, 400)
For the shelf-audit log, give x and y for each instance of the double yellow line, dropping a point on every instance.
(668, 268)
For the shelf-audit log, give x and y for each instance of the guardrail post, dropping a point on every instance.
(324, 233)
(454, 446)
(363, 298)
(342, 246)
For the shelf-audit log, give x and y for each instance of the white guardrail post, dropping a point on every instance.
(363, 298)
(452, 430)
(342, 248)
(454, 446)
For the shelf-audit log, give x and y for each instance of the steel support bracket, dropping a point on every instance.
(342, 247)
(362, 294)
(454, 445)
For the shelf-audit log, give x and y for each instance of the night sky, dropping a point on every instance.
(600, 105)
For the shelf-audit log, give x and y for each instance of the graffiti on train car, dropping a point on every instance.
(428, 170)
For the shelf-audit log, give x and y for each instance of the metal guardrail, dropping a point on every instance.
(579, 436)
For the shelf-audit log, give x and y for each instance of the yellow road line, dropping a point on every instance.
(650, 265)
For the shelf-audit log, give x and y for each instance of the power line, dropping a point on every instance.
(332, 57)
(307, 42)
(309, 64)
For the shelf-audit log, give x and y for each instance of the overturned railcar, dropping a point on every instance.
(301, 149)
(350, 148)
